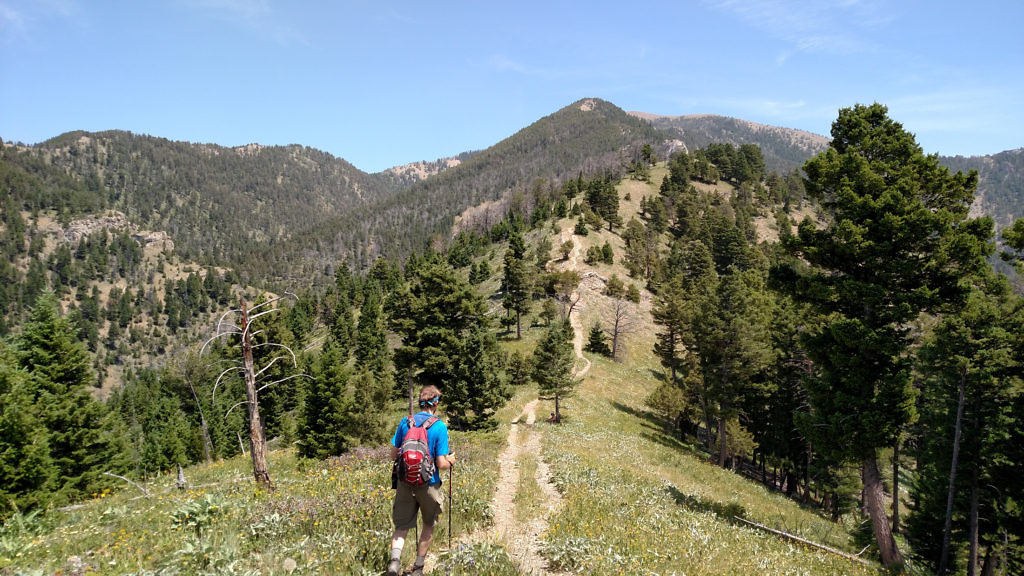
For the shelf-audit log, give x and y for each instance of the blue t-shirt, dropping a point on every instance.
(437, 437)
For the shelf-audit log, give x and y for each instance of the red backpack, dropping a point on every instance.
(415, 465)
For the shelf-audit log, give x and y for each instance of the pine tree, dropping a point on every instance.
(554, 362)
(897, 243)
(971, 383)
(597, 341)
(28, 475)
(83, 439)
(323, 421)
(372, 340)
(446, 342)
(517, 283)
(730, 335)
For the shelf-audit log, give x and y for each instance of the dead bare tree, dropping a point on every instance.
(189, 369)
(622, 324)
(252, 375)
(566, 285)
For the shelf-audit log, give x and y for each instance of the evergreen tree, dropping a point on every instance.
(543, 253)
(323, 423)
(897, 243)
(83, 439)
(366, 423)
(517, 283)
(597, 341)
(28, 475)
(372, 340)
(554, 362)
(971, 385)
(343, 327)
(518, 369)
(446, 342)
(730, 335)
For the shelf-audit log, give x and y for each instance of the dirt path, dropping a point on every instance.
(522, 539)
(572, 263)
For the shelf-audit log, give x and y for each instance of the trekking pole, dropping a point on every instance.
(451, 508)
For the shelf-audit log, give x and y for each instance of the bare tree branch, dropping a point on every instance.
(213, 395)
(141, 488)
(226, 414)
(269, 384)
(295, 361)
(269, 364)
(219, 334)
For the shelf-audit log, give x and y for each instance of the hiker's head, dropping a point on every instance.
(429, 396)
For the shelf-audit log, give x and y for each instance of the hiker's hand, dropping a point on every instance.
(451, 460)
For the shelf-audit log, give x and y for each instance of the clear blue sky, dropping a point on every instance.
(389, 82)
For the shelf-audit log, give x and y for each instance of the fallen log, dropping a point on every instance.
(796, 538)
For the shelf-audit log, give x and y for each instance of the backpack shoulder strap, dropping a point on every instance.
(412, 421)
(430, 421)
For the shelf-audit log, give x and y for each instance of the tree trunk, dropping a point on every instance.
(988, 567)
(723, 451)
(258, 443)
(958, 430)
(790, 482)
(972, 530)
(558, 414)
(896, 485)
(707, 424)
(207, 441)
(874, 502)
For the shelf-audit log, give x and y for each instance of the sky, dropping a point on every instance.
(386, 83)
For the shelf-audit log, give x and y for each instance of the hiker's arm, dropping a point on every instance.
(445, 462)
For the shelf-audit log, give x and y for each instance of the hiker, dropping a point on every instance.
(426, 498)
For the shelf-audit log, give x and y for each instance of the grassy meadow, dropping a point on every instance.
(634, 500)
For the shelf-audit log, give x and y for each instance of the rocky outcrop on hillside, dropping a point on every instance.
(116, 222)
(111, 221)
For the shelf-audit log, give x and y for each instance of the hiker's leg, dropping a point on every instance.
(431, 500)
(403, 514)
(398, 540)
(426, 537)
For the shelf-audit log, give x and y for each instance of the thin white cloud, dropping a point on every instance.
(503, 63)
(976, 109)
(19, 20)
(830, 27)
(255, 15)
(11, 19)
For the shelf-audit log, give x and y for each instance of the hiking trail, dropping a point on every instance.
(522, 539)
(573, 263)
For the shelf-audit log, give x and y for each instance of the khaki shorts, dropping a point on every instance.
(409, 499)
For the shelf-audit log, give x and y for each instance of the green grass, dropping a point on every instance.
(634, 500)
(331, 517)
(638, 503)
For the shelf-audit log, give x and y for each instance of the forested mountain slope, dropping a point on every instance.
(1000, 183)
(588, 136)
(226, 206)
(284, 214)
(784, 149)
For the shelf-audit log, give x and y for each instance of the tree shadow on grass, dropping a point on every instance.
(649, 419)
(724, 510)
